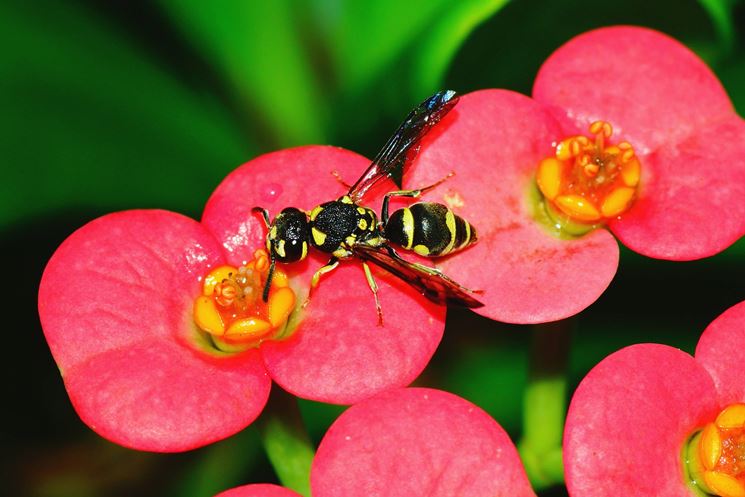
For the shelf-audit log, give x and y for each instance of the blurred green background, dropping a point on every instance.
(116, 105)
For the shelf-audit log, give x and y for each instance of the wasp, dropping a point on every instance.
(347, 229)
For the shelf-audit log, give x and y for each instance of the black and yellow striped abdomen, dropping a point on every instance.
(429, 229)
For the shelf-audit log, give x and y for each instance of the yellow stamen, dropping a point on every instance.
(630, 172)
(231, 308)
(280, 305)
(601, 127)
(732, 417)
(549, 177)
(591, 170)
(225, 292)
(567, 149)
(248, 329)
(617, 201)
(577, 207)
(262, 264)
(280, 279)
(589, 180)
(216, 276)
(723, 484)
(719, 467)
(207, 316)
(710, 446)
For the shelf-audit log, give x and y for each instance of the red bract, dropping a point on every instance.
(414, 442)
(258, 490)
(116, 306)
(633, 413)
(658, 96)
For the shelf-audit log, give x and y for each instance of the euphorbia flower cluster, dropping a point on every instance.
(155, 322)
(411, 442)
(652, 420)
(163, 341)
(663, 164)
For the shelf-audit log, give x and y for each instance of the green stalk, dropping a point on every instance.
(544, 404)
(286, 441)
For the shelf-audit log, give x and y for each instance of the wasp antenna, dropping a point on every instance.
(269, 276)
(264, 214)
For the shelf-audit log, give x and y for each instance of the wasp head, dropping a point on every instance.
(287, 236)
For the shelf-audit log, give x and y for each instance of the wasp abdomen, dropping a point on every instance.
(429, 229)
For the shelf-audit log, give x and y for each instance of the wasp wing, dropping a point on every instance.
(431, 282)
(403, 146)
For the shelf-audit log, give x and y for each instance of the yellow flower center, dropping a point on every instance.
(719, 464)
(589, 180)
(231, 308)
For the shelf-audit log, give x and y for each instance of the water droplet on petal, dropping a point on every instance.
(271, 192)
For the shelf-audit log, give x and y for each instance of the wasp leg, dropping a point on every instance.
(374, 288)
(327, 268)
(431, 270)
(264, 214)
(338, 177)
(409, 193)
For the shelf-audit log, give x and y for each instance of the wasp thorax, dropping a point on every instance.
(231, 308)
(588, 179)
(337, 225)
(287, 240)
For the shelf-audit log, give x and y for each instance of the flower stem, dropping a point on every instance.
(286, 441)
(544, 404)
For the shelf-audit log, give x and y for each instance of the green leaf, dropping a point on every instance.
(720, 12)
(258, 49)
(91, 122)
(441, 43)
(544, 403)
(219, 466)
(366, 38)
(287, 442)
(284, 60)
(369, 39)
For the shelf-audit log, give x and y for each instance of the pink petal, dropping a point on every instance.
(115, 303)
(652, 89)
(494, 140)
(721, 350)
(628, 421)
(417, 442)
(338, 353)
(162, 396)
(123, 278)
(258, 490)
(691, 199)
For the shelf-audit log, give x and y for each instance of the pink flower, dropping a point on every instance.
(660, 101)
(412, 442)
(258, 490)
(117, 306)
(633, 415)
